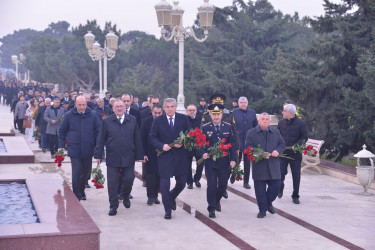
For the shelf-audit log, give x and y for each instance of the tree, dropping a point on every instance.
(331, 77)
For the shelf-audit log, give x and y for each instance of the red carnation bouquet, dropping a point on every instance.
(59, 157)
(98, 177)
(193, 139)
(103, 115)
(218, 150)
(306, 150)
(257, 154)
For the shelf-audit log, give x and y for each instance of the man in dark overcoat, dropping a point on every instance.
(195, 120)
(120, 134)
(79, 127)
(173, 162)
(150, 157)
(41, 124)
(294, 131)
(217, 171)
(246, 119)
(266, 172)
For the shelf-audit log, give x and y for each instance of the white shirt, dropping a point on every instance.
(122, 118)
(173, 119)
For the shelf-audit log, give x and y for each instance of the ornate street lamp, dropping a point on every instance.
(171, 17)
(365, 171)
(97, 54)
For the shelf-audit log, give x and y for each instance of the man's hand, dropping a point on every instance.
(275, 153)
(53, 121)
(266, 155)
(166, 147)
(177, 145)
(145, 159)
(98, 161)
(205, 156)
(36, 127)
(232, 164)
(238, 153)
(61, 149)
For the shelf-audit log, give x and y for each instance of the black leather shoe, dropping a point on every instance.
(190, 186)
(150, 201)
(281, 191)
(168, 215)
(119, 196)
(144, 184)
(112, 212)
(261, 214)
(83, 197)
(156, 201)
(211, 214)
(126, 203)
(225, 195)
(271, 209)
(198, 184)
(218, 207)
(87, 185)
(296, 201)
(130, 196)
(173, 204)
(246, 185)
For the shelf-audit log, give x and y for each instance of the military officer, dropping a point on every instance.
(219, 98)
(217, 171)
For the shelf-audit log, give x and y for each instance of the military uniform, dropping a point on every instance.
(217, 171)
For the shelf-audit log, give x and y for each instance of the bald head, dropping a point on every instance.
(81, 104)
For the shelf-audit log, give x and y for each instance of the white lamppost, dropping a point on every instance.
(171, 17)
(17, 61)
(97, 54)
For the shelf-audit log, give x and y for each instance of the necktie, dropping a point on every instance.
(217, 128)
(119, 119)
(171, 123)
(127, 112)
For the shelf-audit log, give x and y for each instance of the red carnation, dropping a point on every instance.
(191, 134)
(207, 144)
(226, 153)
(229, 145)
(305, 152)
(252, 158)
(223, 140)
(315, 152)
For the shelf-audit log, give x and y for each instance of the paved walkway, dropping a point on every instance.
(331, 215)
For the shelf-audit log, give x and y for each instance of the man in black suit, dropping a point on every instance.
(150, 159)
(66, 97)
(106, 98)
(120, 134)
(126, 98)
(173, 162)
(195, 120)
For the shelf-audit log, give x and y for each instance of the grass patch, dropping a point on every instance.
(345, 161)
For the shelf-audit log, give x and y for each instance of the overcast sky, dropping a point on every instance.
(127, 14)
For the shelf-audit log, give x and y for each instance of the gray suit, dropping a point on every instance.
(50, 115)
(52, 128)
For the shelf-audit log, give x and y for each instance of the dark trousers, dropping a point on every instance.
(113, 183)
(246, 167)
(295, 167)
(153, 185)
(217, 181)
(144, 172)
(169, 195)
(80, 172)
(44, 140)
(53, 143)
(199, 169)
(266, 195)
(20, 126)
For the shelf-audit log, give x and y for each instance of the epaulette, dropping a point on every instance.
(226, 123)
(208, 123)
(205, 113)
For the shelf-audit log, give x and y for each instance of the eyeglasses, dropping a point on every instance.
(154, 103)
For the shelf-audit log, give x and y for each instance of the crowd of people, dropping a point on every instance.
(122, 130)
